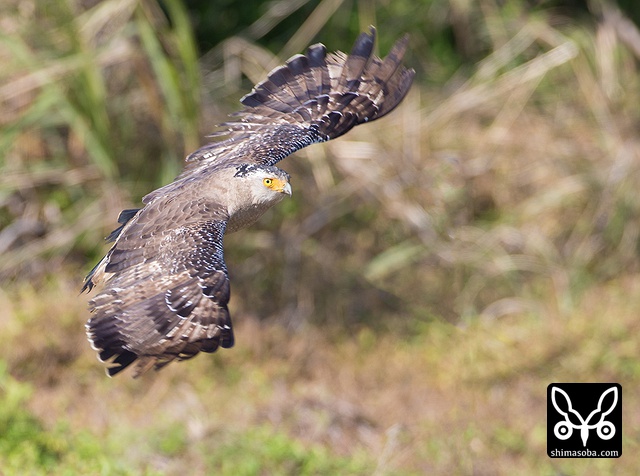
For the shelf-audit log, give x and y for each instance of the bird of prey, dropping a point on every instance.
(165, 283)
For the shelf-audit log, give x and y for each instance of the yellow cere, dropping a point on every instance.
(274, 183)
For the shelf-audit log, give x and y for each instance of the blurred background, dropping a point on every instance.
(404, 312)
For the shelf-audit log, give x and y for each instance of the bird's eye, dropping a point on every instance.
(268, 182)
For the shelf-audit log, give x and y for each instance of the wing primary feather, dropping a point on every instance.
(124, 217)
(356, 62)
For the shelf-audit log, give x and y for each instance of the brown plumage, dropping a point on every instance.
(165, 281)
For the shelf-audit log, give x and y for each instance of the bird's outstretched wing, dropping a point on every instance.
(312, 98)
(167, 291)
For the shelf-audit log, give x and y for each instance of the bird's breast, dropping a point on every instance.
(245, 216)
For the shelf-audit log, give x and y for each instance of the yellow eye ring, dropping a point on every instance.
(268, 182)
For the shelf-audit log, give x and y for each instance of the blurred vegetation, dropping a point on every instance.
(404, 312)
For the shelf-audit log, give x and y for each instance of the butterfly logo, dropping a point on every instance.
(574, 421)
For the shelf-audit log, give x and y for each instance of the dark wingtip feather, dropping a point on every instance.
(400, 90)
(88, 285)
(123, 219)
(121, 362)
(363, 45)
(88, 280)
(316, 55)
(298, 64)
(356, 63)
(126, 215)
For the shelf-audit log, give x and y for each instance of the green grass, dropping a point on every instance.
(28, 447)
(263, 451)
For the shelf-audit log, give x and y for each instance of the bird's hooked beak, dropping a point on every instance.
(286, 188)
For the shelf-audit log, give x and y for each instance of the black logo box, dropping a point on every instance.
(579, 412)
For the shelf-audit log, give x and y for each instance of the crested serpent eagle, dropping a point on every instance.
(165, 286)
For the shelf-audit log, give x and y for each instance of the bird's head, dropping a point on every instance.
(266, 183)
